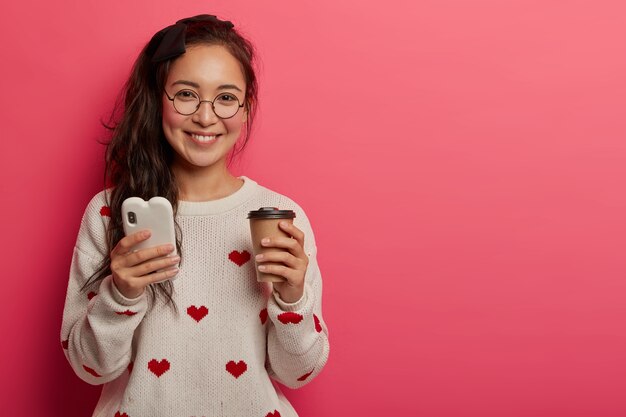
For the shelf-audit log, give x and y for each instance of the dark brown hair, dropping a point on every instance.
(138, 156)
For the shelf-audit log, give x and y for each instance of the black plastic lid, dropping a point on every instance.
(271, 213)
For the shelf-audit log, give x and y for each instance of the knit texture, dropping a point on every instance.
(231, 338)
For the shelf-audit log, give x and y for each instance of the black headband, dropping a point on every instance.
(172, 38)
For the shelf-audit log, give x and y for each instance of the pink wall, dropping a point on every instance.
(463, 164)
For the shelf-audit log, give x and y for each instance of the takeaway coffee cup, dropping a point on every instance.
(264, 223)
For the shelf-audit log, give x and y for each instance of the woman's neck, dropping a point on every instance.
(205, 184)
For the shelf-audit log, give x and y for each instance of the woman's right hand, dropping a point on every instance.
(134, 271)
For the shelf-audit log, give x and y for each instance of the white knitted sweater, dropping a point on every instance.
(231, 336)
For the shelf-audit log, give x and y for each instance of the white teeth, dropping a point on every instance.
(202, 138)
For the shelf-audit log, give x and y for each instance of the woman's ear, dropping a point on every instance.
(246, 111)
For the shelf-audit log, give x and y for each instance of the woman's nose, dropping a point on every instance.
(205, 114)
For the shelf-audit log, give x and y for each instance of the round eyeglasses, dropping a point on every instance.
(187, 102)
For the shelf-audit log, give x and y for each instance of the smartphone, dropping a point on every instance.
(155, 215)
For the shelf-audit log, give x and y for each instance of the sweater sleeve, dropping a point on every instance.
(98, 321)
(298, 337)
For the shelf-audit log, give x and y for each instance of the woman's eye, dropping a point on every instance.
(227, 99)
(186, 95)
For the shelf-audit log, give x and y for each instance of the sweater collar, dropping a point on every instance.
(200, 208)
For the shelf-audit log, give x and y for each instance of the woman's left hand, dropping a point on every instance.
(293, 259)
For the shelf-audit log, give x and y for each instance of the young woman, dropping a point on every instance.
(213, 341)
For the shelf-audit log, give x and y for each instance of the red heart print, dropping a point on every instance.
(197, 313)
(236, 369)
(263, 315)
(91, 371)
(158, 368)
(91, 295)
(105, 211)
(65, 344)
(274, 414)
(305, 376)
(125, 313)
(239, 258)
(318, 326)
(121, 415)
(290, 317)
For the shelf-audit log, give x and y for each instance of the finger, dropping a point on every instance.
(293, 231)
(162, 275)
(280, 257)
(140, 256)
(126, 244)
(292, 245)
(291, 275)
(151, 267)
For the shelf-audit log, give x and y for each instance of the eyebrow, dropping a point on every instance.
(196, 85)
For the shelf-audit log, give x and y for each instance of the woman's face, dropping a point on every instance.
(202, 139)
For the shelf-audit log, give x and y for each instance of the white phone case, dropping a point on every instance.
(155, 215)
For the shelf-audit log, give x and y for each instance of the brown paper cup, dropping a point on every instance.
(264, 223)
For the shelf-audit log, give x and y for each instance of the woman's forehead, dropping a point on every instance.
(206, 67)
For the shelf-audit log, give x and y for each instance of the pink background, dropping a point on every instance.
(463, 163)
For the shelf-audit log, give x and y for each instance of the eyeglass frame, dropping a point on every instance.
(200, 103)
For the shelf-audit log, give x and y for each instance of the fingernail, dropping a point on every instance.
(169, 247)
(284, 224)
(175, 259)
(259, 257)
(172, 271)
(265, 241)
(262, 268)
(146, 233)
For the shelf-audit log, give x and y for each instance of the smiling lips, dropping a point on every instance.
(204, 138)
